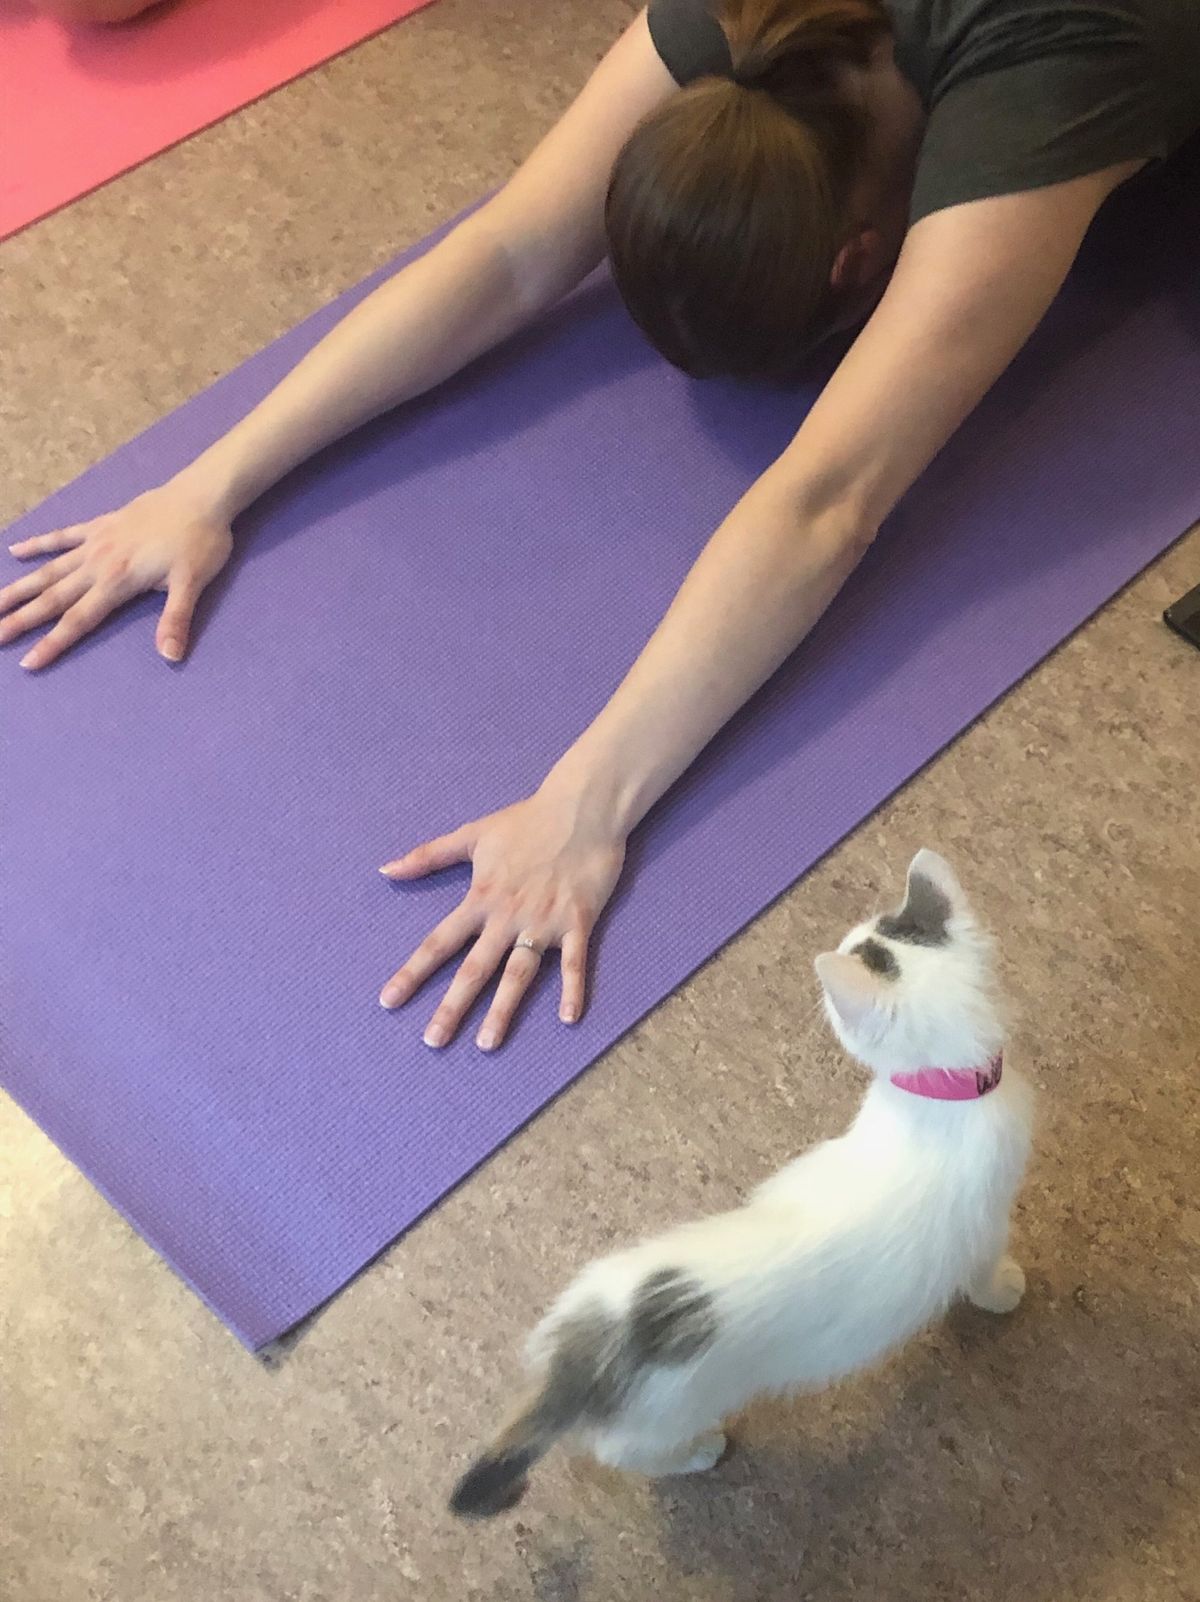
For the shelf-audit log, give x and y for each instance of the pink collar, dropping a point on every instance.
(952, 1084)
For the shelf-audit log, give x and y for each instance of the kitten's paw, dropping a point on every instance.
(705, 1452)
(1003, 1290)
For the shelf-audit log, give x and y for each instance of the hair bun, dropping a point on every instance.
(781, 44)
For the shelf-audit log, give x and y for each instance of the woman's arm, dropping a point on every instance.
(970, 286)
(519, 253)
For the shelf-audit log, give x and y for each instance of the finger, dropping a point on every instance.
(24, 589)
(174, 626)
(574, 975)
(450, 936)
(434, 855)
(63, 539)
(49, 604)
(82, 618)
(481, 962)
(519, 973)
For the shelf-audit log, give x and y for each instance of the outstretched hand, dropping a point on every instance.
(541, 872)
(163, 540)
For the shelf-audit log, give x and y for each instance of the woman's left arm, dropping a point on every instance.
(970, 286)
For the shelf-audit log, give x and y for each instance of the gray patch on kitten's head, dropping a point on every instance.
(672, 1318)
(924, 917)
(877, 958)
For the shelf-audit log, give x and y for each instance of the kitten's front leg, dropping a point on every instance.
(999, 1289)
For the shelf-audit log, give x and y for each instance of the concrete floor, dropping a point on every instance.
(1054, 1457)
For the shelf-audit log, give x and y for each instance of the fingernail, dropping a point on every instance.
(435, 1035)
(387, 869)
(487, 1040)
(27, 660)
(568, 1015)
(172, 650)
(391, 995)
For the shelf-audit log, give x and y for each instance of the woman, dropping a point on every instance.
(761, 181)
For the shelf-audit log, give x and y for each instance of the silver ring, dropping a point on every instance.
(526, 943)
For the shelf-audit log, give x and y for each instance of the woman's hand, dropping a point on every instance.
(168, 539)
(541, 872)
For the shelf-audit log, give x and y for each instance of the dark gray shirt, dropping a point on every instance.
(1018, 93)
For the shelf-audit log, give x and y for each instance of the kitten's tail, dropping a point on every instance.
(498, 1480)
(576, 1384)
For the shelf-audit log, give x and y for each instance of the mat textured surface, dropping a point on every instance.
(78, 105)
(1049, 1458)
(193, 929)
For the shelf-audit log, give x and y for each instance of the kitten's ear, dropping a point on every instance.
(853, 990)
(930, 865)
(932, 897)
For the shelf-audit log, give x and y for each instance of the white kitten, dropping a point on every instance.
(844, 1254)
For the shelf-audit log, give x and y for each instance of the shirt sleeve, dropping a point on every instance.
(1035, 123)
(689, 39)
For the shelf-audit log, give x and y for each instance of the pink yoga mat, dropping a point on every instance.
(79, 105)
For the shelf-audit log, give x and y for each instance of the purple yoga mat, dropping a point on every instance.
(192, 929)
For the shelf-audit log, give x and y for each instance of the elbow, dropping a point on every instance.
(834, 506)
(837, 529)
(850, 535)
(833, 515)
(541, 263)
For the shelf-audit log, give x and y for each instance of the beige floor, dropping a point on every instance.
(145, 1457)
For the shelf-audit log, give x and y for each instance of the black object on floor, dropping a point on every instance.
(1184, 616)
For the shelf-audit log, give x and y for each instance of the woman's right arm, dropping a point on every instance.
(498, 269)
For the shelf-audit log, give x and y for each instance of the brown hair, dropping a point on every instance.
(727, 207)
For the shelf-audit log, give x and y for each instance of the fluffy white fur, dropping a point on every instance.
(854, 1246)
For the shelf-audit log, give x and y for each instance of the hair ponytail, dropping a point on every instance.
(728, 205)
(785, 45)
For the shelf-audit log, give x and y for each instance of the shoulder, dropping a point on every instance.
(1040, 96)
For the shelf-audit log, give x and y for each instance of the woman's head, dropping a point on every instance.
(730, 216)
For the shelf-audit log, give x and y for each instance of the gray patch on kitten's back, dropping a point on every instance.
(596, 1361)
(877, 958)
(923, 918)
(672, 1318)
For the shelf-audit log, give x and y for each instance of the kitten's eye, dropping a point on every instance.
(877, 958)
